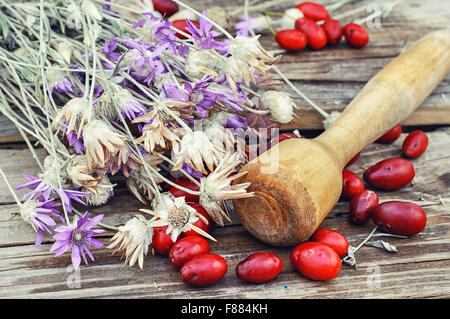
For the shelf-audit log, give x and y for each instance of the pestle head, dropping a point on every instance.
(296, 184)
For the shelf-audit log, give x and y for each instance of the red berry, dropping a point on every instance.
(207, 227)
(186, 183)
(391, 135)
(332, 239)
(161, 241)
(182, 25)
(316, 261)
(203, 270)
(259, 267)
(165, 7)
(316, 36)
(353, 159)
(400, 218)
(351, 184)
(292, 40)
(361, 207)
(334, 31)
(390, 174)
(356, 35)
(313, 10)
(187, 248)
(415, 144)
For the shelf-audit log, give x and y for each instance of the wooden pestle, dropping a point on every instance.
(292, 200)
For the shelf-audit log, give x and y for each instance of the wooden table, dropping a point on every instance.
(330, 77)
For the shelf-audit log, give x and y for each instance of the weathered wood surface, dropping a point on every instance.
(420, 269)
(331, 77)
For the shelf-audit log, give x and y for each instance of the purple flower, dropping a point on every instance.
(157, 30)
(144, 60)
(42, 190)
(198, 93)
(243, 27)
(204, 36)
(77, 237)
(59, 82)
(108, 50)
(76, 142)
(38, 214)
(236, 121)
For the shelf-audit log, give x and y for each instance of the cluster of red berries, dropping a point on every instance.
(316, 29)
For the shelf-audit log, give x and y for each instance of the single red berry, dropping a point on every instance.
(203, 270)
(292, 40)
(316, 261)
(351, 184)
(391, 135)
(207, 227)
(356, 35)
(332, 239)
(400, 218)
(415, 144)
(333, 30)
(361, 207)
(316, 36)
(390, 174)
(259, 267)
(187, 248)
(165, 7)
(314, 11)
(182, 25)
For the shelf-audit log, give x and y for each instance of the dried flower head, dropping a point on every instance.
(200, 62)
(217, 187)
(140, 182)
(75, 113)
(100, 193)
(38, 215)
(101, 143)
(80, 175)
(126, 104)
(280, 105)
(195, 149)
(133, 240)
(77, 237)
(178, 217)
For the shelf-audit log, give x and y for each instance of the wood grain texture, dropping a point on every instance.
(419, 270)
(331, 78)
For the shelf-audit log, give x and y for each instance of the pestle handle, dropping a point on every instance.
(389, 97)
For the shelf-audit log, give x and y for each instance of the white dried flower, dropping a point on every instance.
(101, 143)
(178, 217)
(217, 187)
(163, 201)
(289, 18)
(133, 240)
(331, 118)
(123, 99)
(100, 193)
(80, 175)
(195, 149)
(140, 182)
(74, 18)
(90, 9)
(53, 172)
(280, 105)
(75, 113)
(223, 138)
(200, 62)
